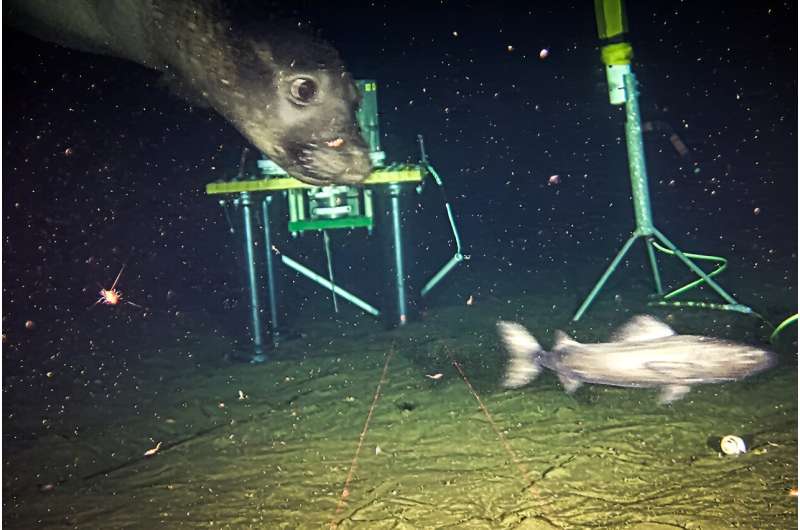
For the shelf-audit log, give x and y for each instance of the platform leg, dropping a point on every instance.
(397, 240)
(250, 258)
(272, 287)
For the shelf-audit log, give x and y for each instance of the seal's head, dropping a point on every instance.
(321, 141)
(285, 91)
(293, 99)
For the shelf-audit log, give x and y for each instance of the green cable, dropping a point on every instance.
(706, 305)
(781, 326)
(722, 261)
(722, 265)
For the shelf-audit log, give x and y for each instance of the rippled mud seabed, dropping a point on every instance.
(277, 454)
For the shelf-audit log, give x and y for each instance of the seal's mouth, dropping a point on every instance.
(335, 160)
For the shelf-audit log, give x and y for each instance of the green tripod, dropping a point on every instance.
(644, 220)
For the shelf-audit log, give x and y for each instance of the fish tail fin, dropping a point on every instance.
(523, 349)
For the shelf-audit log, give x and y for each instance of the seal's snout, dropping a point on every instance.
(355, 163)
(353, 169)
(336, 160)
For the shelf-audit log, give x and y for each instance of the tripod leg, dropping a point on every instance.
(654, 264)
(604, 278)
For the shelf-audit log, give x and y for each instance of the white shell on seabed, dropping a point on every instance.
(732, 445)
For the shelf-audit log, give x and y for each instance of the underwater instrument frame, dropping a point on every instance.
(616, 55)
(645, 228)
(322, 209)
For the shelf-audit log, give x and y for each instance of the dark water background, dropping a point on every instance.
(103, 167)
(497, 125)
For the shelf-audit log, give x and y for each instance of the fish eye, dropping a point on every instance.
(303, 90)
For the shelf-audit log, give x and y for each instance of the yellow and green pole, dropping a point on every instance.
(617, 54)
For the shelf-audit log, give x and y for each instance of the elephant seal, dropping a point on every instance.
(287, 92)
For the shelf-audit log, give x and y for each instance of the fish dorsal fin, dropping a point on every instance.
(563, 341)
(642, 328)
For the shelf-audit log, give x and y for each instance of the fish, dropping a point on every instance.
(643, 353)
(286, 91)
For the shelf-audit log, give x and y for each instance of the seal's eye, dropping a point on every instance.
(303, 91)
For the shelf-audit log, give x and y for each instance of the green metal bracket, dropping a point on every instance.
(367, 116)
(330, 208)
(330, 224)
